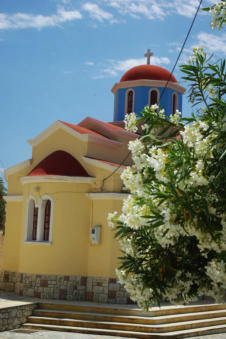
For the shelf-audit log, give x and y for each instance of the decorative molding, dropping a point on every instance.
(107, 195)
(17, 168)
(14, 198)
(148, 83)
(37, 242)
(57, 178)
(102, 164)
(83, 137)
(51, 129)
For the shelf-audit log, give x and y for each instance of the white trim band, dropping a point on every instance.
(110, 195)
(102, 164)
(57, 178)
(14, 198)
(148, 83)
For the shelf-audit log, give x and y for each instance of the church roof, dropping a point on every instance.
(82, 130)
(148, 72)
(59, 163)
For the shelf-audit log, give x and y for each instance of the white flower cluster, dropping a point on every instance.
(175, 118)
(131, 122)
(135, 288)
(168, 233)
(199, 50)
(218, 12)
(178, 293)
(133, 214)
(216, 270)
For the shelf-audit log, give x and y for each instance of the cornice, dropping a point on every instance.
(102, 164)
(148, 83)
(17, 168)
(57, 178)
(107, 195)
(14, 198)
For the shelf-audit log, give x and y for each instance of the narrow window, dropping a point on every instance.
(153, 97)
(47, 221)
(130, 101)
(35, 223)
(174, 106)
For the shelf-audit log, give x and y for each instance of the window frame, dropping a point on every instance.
(126, 101)
(41, 218)
(149, 95)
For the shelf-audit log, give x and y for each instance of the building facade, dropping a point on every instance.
(57, 241)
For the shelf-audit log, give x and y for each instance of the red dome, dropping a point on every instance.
(149, 72)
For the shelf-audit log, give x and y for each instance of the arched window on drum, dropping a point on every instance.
(153, 97)
(130, 101)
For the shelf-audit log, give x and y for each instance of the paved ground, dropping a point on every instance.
(65, 335)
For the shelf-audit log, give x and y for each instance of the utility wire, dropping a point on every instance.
(175, 64)
(182, 48)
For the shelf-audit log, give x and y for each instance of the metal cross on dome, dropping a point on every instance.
(148, 56)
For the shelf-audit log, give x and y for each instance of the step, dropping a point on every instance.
(129, 318)
(178, 334)
(128, 326)
(155, 311)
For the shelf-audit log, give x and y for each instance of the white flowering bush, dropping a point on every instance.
(218, 12)
(172, 229)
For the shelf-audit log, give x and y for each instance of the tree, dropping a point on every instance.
(172, 229)
(2, 205)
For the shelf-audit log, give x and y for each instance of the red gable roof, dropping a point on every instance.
(81, 130)
(59, 163)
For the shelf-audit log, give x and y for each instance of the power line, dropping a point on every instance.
(175, 64)
(182, 48)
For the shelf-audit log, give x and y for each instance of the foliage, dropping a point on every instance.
(2, 206)
(172, 229)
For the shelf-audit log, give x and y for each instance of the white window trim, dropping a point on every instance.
(29, 219)
(149, 95)
(174, 93)
(41, 215)
(40, 224)
(126, 101)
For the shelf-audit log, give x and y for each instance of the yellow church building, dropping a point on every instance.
(57, 241)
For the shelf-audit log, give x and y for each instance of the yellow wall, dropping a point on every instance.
(70, 252)
(1, 249)
(13, 233)
(102, 258)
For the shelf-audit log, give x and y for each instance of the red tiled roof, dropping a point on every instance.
(59, 163)
(149, 72)
(82, 130)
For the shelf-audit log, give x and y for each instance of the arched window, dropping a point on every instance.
(39, 219)
(35, 223)
(130, 99)
(153, 97)
(47, 215)
(174, 105)
(31, 220)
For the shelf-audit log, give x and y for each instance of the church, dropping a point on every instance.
(58, 244)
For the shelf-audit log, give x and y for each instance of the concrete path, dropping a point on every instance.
(18, 334)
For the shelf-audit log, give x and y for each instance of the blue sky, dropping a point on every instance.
(60, 58)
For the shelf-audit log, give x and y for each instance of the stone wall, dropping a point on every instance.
(101, 290)
(13, 317)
